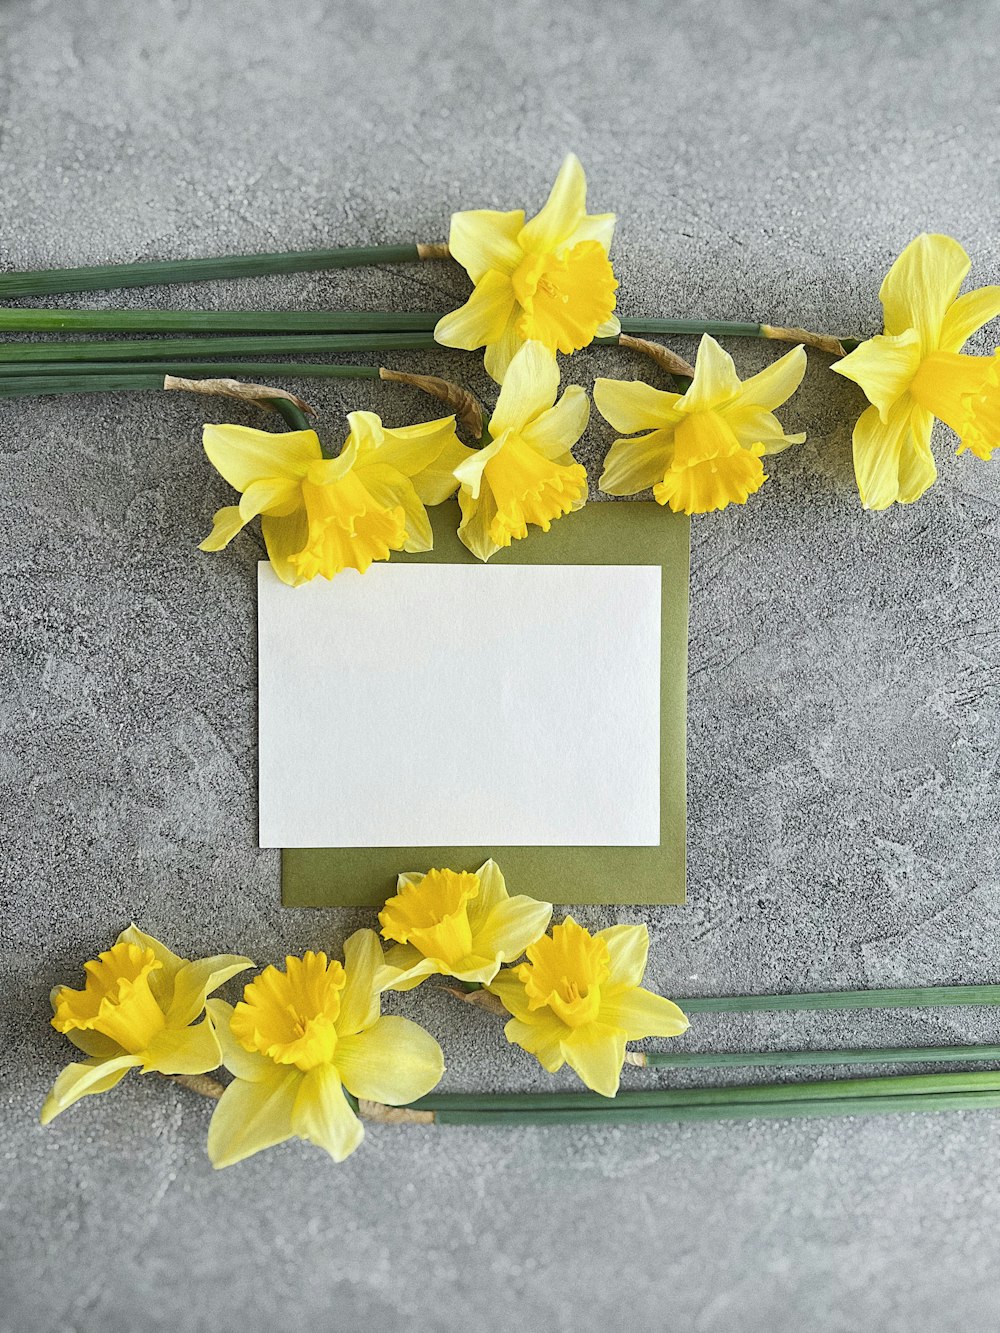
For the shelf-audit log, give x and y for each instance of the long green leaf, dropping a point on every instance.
(146, 273)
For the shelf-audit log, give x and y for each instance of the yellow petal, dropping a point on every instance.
(477, 523)
(562, 212)
(611, 328)
(541, 1038)
(628, 947)
(892, 459)
(483, 239)
(390, 488)
(635, 465)
(359, 1000)
(92, 1043)
(921, 285)
(226, 525)
(195, 981)
(84, 1079)
(395, 1062)
(285, 537)
(598, 227)
(755, 426)
(529, 388)
(555, 431)
(408, 449)
(640, 1013)
(249, 1066)
(483, 319)
(323, 1116)
(492, 892)
(715, 380)
(185, 1050)
(434, 484)
(632, 405)
(280, 496)
(564, 299)
(509, 990)
(596, 1054)
(404, 967)
(252, 1116)
(712, 484)
(499, 354)
(775, 385)
(510, 927)
(969, 313)
(884, 367)
(243, 455)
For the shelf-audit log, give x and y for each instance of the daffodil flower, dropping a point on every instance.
(548, 280)
(298, 1039)
(456, 924)
(137, 1010)
(323, 515)
(914, 372)
(702, 449)
(577, 1001)
(526, 474)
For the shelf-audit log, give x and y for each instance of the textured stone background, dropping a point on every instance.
(766, 161)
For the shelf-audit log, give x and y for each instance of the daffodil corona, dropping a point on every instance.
(548, 280)
(300, 1040)
(701, 450)
(914, 371)
(323, 515)
(456, 924)
(527, 473)
(578, 999)
(137, 1010)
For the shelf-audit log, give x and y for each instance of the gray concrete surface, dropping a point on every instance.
(767, 161)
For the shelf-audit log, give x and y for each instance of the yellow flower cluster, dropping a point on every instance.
(547, 286)
(307, 1042)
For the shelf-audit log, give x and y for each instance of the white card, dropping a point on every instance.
(427, 705)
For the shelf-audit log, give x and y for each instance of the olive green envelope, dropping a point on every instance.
(605, 533)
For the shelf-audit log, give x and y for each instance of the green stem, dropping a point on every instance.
(764, 1059)
(913, 997)
(155, 349)
(315, 321)
(110, 277)
(100, 379)
(905, 1085)
(292, 415)
(232, 321)
(612, 1114)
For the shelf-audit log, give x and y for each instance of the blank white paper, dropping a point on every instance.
(461, 705)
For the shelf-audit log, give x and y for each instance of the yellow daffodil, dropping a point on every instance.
(702, 449)
(577, 1001)
(322, 515)
(137, 1010)
(526, 474)
(298, 1039)
(914, 372)
(456, 924)
(548, 280)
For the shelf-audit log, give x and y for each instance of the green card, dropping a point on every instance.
(605, 533)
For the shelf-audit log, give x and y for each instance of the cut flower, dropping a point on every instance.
(323, 515)
(578, 999)
(137, 1010)
(456, 925)
(548, 280)
(304, 1038)
(527, 473)
(914, 371)
(701, 450)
